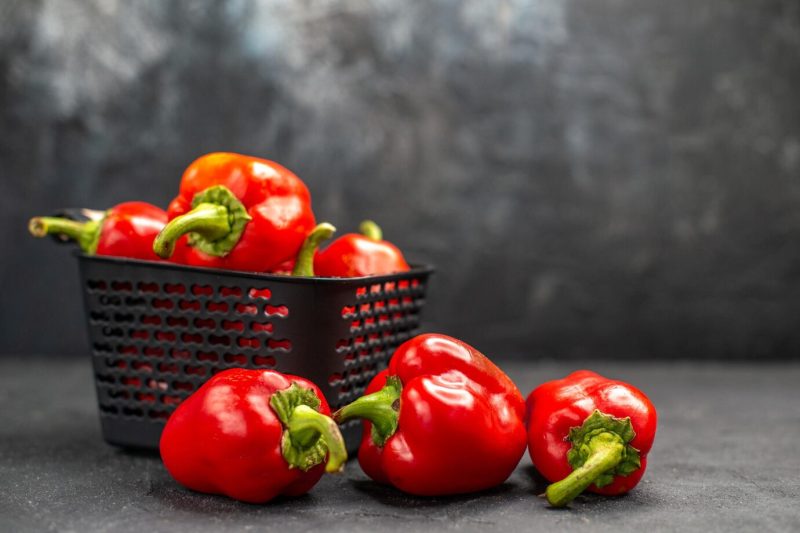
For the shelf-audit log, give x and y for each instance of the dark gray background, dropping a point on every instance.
(617, 179)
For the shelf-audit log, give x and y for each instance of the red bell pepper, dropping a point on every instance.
(252, 435)
(442, 419)
(240, 212)
(589, 432)
(352, 255)
(125, 230)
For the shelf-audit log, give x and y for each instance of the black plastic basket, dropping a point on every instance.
(158, 331)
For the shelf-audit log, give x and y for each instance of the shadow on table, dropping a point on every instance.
(526, 478)
(537, 481)
(170, 494)
(142, 453)
(590, 500)
(391, 496)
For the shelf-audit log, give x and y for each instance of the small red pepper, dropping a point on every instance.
(589, 432)
(125, 230)
(352, 255)
(442, 419)
(252, 435)
(240, 212)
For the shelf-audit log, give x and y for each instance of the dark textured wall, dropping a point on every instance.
(615, 178)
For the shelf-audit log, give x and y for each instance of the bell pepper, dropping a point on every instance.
(352, 255)
(240, 213)
(125, 230)
(252, 435)
(441, 419)
(589, 432)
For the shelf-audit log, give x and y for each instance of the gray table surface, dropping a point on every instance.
(727, 457)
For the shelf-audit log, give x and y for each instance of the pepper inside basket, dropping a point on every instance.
(158, 331)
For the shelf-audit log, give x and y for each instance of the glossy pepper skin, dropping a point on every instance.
(355, 255)
(125, 230)
(240, 212)
(587, 432)
(442, 419)
(252, 435)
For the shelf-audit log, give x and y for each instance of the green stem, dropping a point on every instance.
(86, 234)
(605, 452)
(308, 434)
(211, 221)
(381, 408)
(306, 427)
(371, 230)
(304, 264)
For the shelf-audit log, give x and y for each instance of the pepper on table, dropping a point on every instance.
(587, 432)
(252, 435)
(126, 230)
(239, 212)
(352, 255)
(442, 419)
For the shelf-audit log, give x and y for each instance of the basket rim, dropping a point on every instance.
(416, 270)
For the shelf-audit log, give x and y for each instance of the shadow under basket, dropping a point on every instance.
(159, 330)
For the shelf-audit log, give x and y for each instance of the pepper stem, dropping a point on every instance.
(308, 434)
(306, 427)
(208, 220)
(381, 408)
(371, 230)
(215, 224)
(606, 451)
(304, 264)
(86, 234)
(600, 451)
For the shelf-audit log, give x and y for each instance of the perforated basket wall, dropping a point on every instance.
(158, 331)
